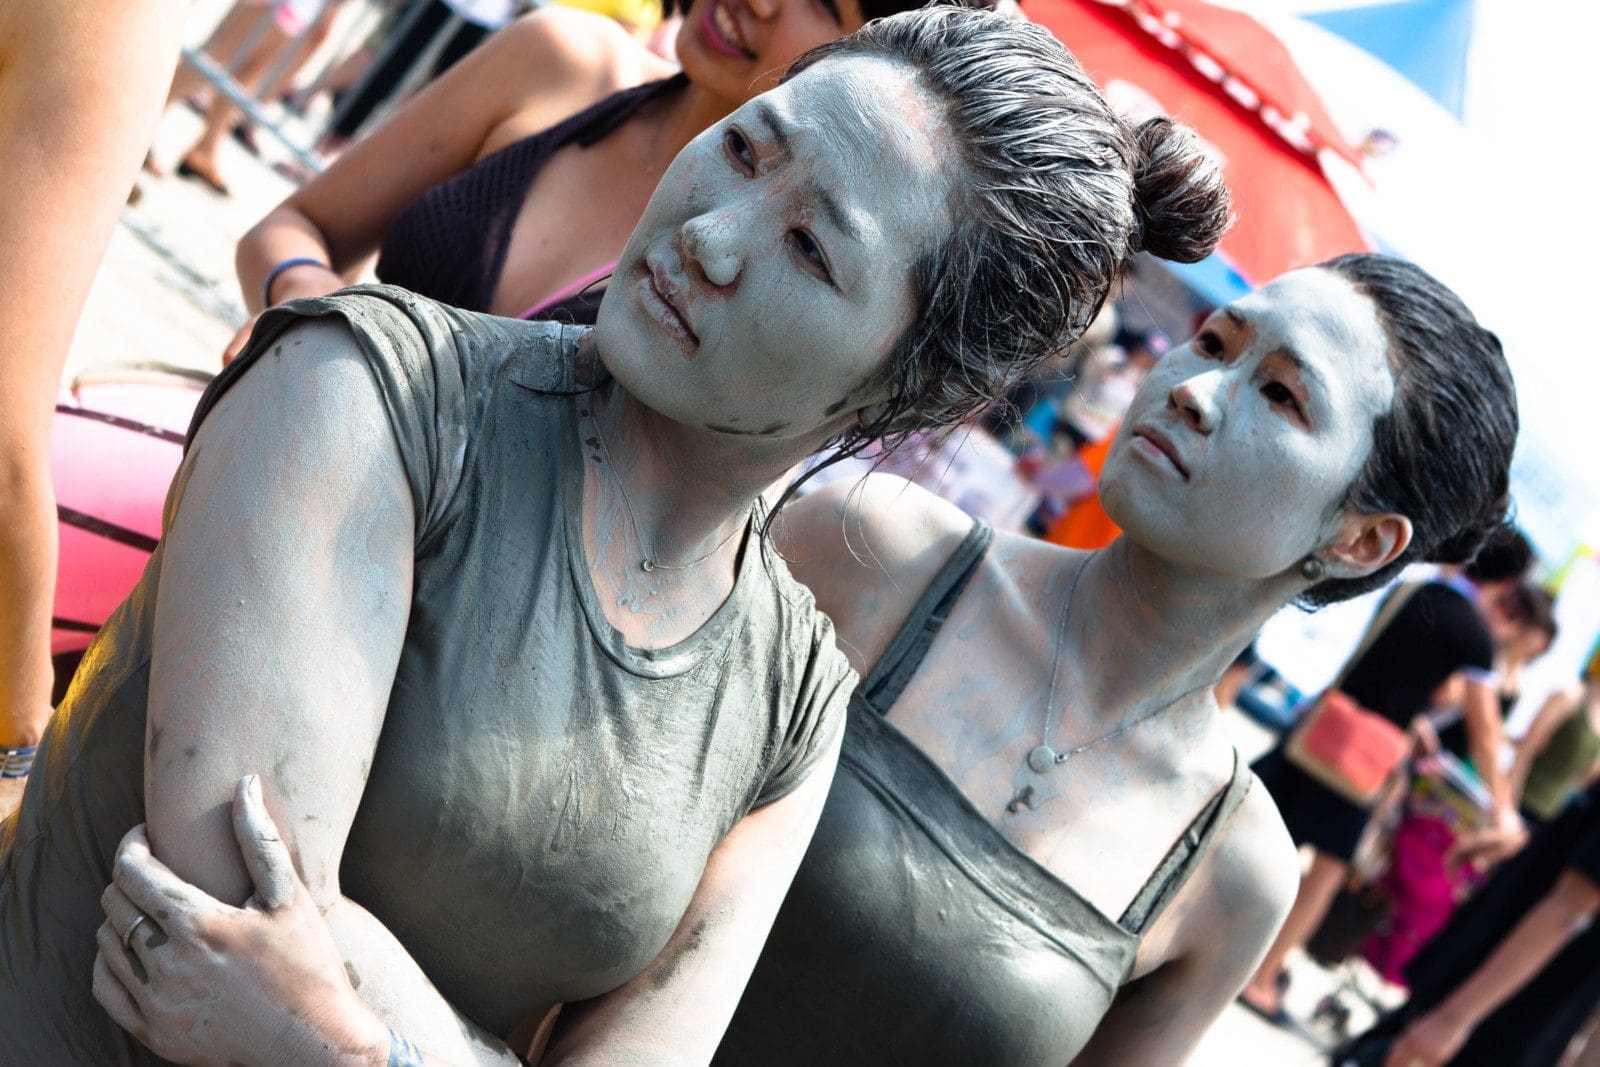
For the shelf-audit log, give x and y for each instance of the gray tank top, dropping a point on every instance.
(915, 932)
(543, 797)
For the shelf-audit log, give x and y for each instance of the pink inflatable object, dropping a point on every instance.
(114, 447)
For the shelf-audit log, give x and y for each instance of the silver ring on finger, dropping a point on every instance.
(127, 938)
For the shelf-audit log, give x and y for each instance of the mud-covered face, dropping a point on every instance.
(1240, 445)
(738, 48)
(772, 271)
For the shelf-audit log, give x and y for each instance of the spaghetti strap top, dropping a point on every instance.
(450, 243)
(915, 931)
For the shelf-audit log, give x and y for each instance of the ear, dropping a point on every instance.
(1365, 543)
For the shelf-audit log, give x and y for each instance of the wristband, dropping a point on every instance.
(403, 1053)
(283, 265)
(17, 762)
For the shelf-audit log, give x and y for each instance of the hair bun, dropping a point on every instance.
(1181, 204)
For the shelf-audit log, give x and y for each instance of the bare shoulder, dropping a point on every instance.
(1254, 872)
(867, 550)
(589, 52)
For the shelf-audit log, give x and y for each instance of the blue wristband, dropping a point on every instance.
(287, 264)
(403, 1053)
(17, 762)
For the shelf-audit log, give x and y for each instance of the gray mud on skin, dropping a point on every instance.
(1205, 560)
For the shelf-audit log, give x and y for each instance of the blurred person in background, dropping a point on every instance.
(1560, 751)
(410, 37)
(511, 183)
(1105, 383)
(1439, 633)
(1516, 973)
(249, 42)
(1028, 415)
(1423, 880)
(1522, 624)
(80, 90)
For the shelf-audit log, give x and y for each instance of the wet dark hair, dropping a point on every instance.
(1441, 455)
(1505, 554)
(1052, 196)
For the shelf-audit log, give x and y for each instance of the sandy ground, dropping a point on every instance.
(167, 294)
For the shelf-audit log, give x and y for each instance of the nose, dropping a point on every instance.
(710, 242)
(765, 10)
(1195, 398)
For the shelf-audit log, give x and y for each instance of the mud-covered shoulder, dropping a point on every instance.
(868, 550)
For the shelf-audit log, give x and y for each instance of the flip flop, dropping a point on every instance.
(185, 170)
(1278, 1017)
(245, 135)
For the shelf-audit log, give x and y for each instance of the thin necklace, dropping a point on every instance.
(1042, 757)
(648, 562)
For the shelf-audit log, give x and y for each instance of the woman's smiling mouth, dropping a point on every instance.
(722, 32)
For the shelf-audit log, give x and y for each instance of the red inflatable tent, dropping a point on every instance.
(1226, 75)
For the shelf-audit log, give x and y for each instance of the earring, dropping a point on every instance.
(1311, 569)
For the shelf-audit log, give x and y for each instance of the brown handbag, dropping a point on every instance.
(1341, 744)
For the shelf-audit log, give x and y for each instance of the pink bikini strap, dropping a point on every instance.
(569, 291)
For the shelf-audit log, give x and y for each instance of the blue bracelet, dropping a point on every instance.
(17, 762)
(272, 275)
(403, 1053)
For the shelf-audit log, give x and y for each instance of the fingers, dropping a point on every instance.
(151, 886)
(122, 917)
(1486, 847)
(114, 982)
(265, 855)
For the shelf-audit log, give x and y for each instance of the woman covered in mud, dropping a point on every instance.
(488, 605)
(1040, 846)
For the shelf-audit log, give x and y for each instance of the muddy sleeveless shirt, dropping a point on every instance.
(543, 798)
(915, 932)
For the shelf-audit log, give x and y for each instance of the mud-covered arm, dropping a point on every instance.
(1219, 926)
(284, 593)
(675, 1011)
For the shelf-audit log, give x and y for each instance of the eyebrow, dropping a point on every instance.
(1304, 367)
(837, 216)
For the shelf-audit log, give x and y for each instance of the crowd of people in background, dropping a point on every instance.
(1481, 849)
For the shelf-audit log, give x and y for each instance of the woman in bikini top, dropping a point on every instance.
(511, 183)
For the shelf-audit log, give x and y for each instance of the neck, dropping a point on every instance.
(689, 490)
(1145, 632)
(687, 114)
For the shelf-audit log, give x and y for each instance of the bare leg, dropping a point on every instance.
(1318, 887)
(313, 39)
(201, 159)
(222, 46)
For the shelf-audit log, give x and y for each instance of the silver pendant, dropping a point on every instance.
(647, 565)
(1041, 758)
